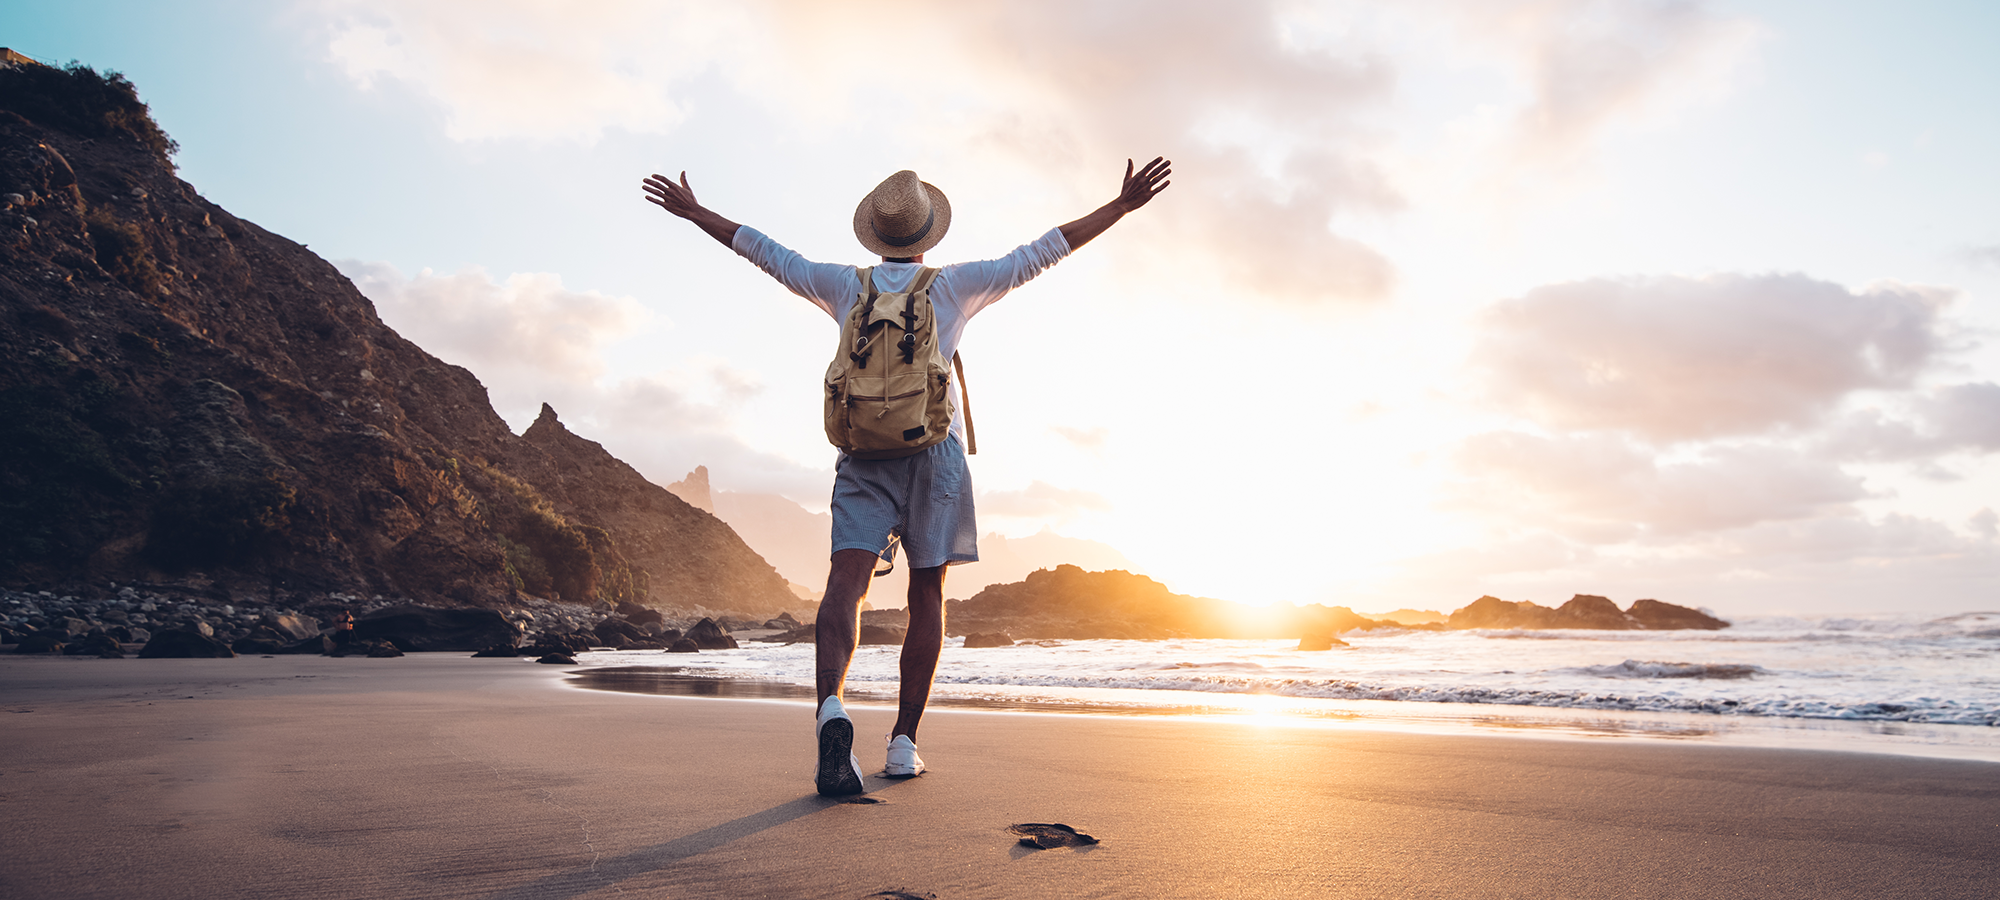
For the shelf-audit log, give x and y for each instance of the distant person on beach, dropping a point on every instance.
(923, 500)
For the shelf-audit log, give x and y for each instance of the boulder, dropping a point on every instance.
(708, 635)
(988, 639)
(738, 623)
(1320, 642)
(1656, 616)
(423, 628)
(1493, 612)
(641, 616)
(319, 643)
(1592, 611)
(784, 622)
(505, 650)
(258, 643)
(616, 632)
(97, 644)
(890, 635)
(557, 659)
(292, 628)
(184, 643)
(374, 649)
(683, 645)
(40, 642)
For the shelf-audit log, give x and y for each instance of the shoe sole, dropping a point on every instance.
(837, 776)
(903, 771)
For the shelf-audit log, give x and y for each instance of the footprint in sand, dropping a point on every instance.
(1049, 836)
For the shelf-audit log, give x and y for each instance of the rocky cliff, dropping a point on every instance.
(186, 397)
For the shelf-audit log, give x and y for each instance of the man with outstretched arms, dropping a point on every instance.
(923, 499)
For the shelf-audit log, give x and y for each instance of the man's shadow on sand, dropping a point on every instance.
(604, 873)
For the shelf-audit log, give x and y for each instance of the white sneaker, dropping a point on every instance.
(903, 759)
(839, 771)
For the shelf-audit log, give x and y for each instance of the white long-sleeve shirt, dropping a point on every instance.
(959, 291)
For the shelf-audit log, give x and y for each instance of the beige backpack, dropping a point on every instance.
(887, 390)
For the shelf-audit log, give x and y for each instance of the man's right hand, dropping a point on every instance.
(678, 199)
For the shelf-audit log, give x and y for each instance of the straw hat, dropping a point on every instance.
(902, 217)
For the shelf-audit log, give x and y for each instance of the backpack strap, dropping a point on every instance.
(917, 286)
(864, 307)
(971, 437)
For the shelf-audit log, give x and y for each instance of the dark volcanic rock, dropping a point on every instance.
(641, 616)
(988, 639)
(425, 628)
(708, 635)
(322, 644)
(683, 645)
(1493, 612)
(257, 646)
(557, 659)
(40, 642)
(185, 392)
(98, 644)
(618, 633)
(1582, 611)
(1068, 602)
(878, 635)
(1592, 611)
(289, 627)
(504, 651)
(784, 622)
(1320, 642)
(183, 643)
(1656, 616)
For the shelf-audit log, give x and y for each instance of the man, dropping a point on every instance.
(924, 500)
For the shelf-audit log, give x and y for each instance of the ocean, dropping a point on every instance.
(1907, 685)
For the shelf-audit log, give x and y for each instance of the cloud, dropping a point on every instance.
(1263, 128)
(1981, 256)
(528, 327)
(1950, 419)
(1608, 490)
(1090, 439)
(1041, 500)
(1673, 358)
(519, 68)
(1589, 64)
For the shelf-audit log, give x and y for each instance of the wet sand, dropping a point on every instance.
(439, 776)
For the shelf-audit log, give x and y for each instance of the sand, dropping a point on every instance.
(439, 776)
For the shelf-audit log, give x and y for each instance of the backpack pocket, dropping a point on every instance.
(887, 412)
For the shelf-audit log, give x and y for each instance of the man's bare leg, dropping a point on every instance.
(921, 645)
(838, 628)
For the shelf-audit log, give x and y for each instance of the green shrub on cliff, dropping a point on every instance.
(78, 99)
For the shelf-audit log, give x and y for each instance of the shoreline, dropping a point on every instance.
(1919, 740)
(439, 776)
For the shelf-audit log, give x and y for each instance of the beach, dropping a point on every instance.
(439, 776)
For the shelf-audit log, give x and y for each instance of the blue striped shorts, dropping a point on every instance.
(924, 500)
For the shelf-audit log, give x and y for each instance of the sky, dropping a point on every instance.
(1696, 301)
